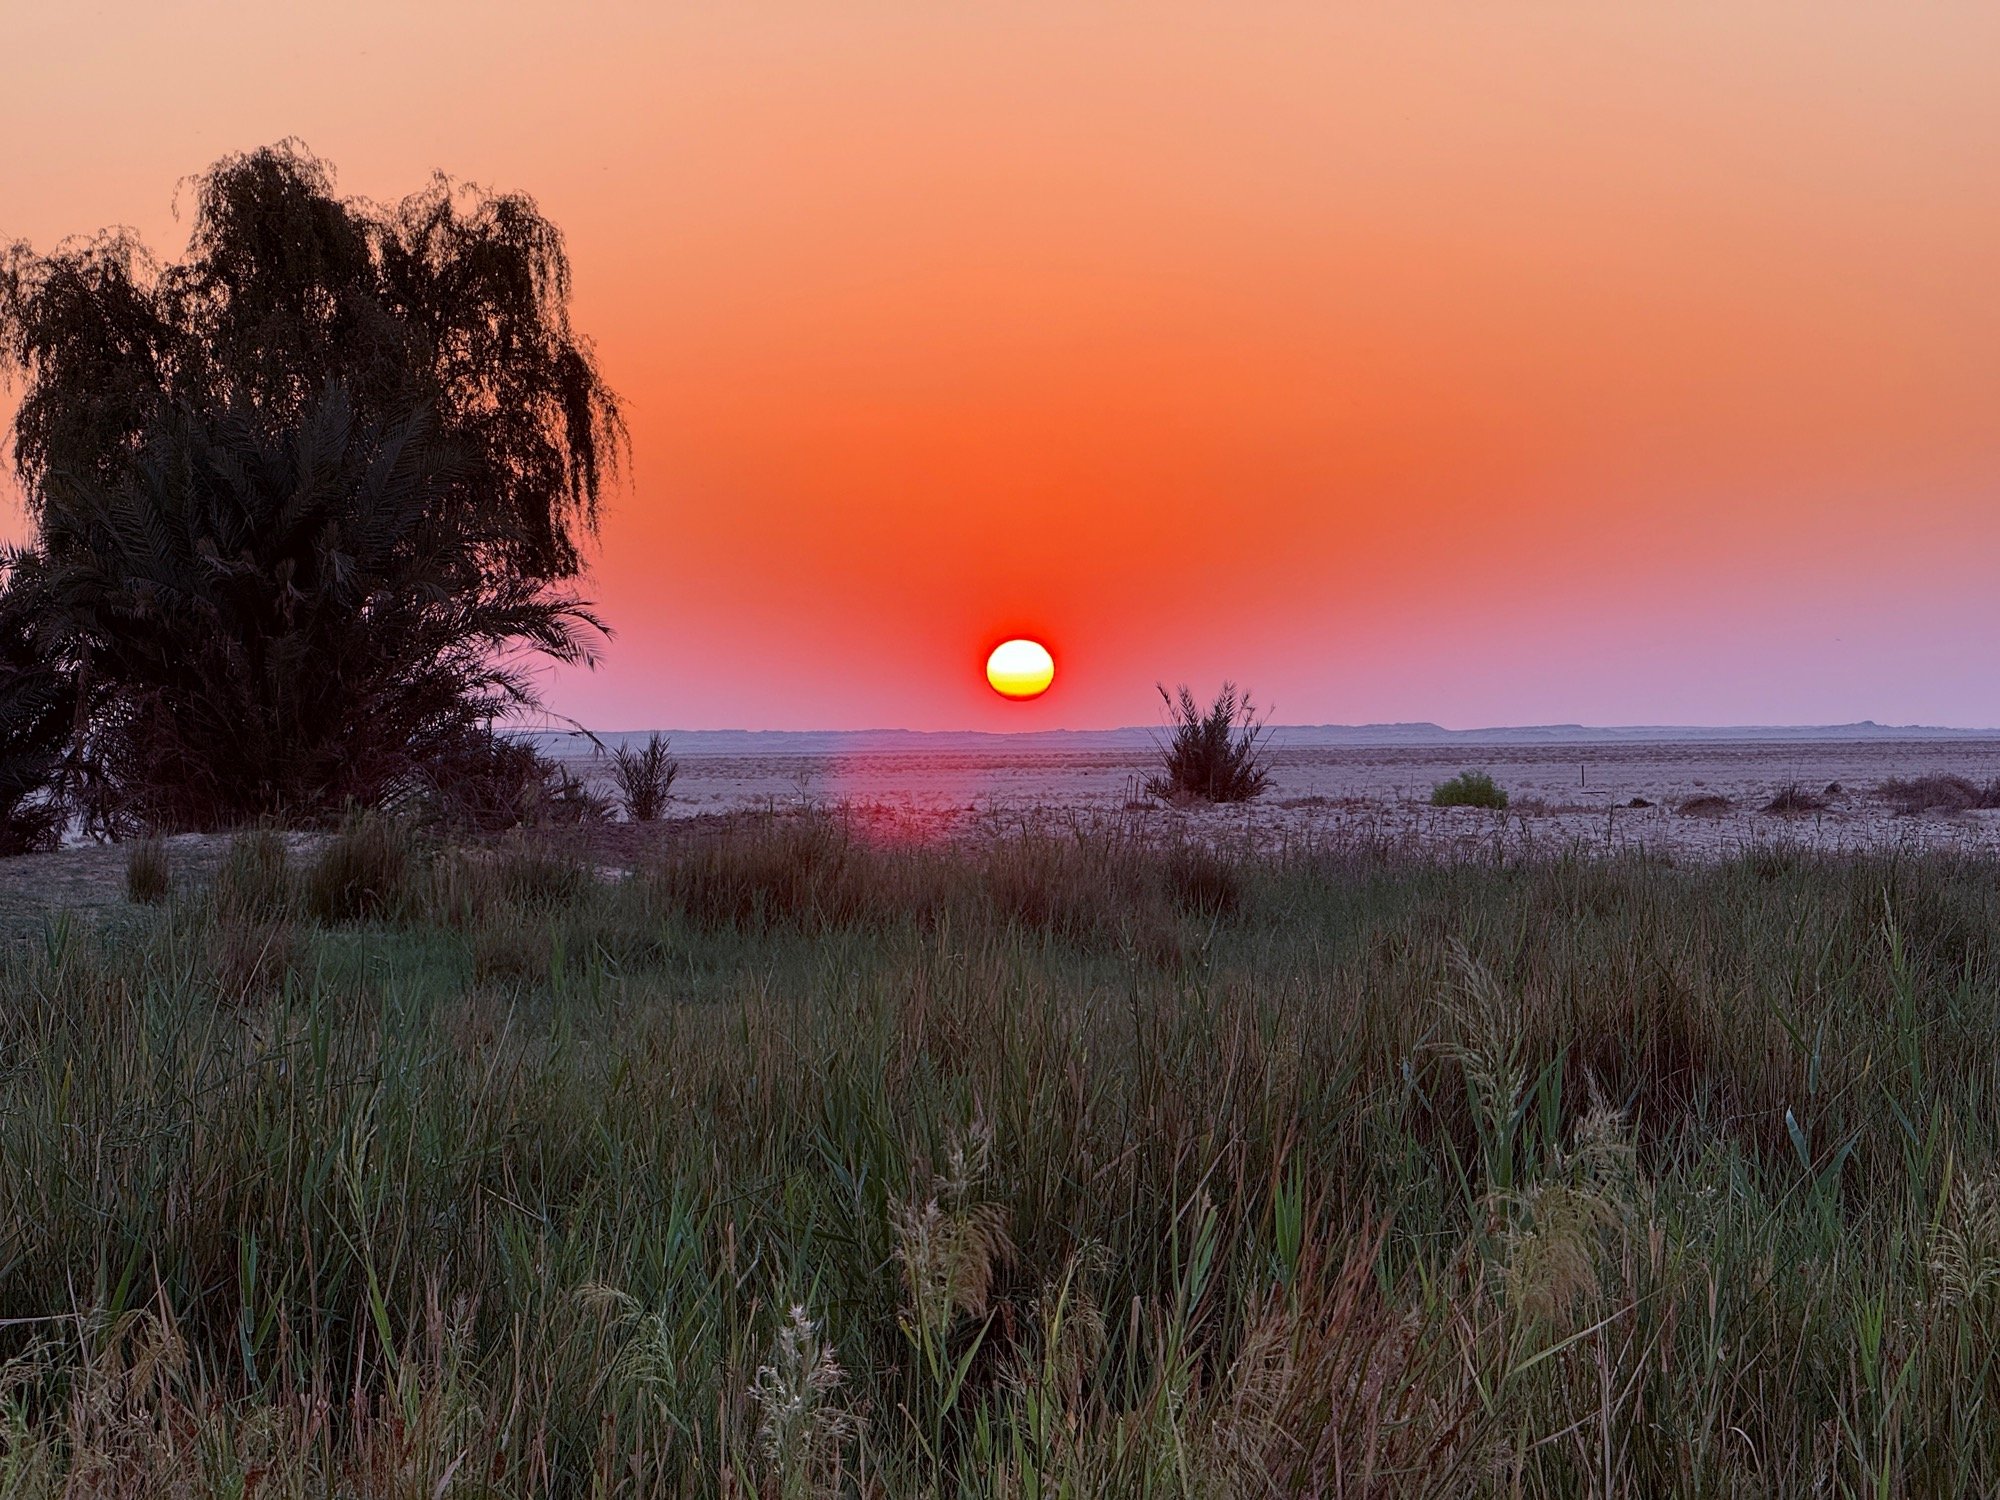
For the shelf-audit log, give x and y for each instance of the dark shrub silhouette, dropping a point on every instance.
(452, 303)
(645, 778)
(1213, 754)
(37, 711)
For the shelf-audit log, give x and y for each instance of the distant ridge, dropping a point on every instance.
(1297, 736)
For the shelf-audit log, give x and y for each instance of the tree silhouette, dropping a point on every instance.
(303, 499)
(453, 303)
(281, 626)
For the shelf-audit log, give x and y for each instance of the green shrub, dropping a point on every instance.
(1468, 789)
(1213, 754)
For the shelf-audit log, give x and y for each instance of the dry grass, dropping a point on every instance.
(1792, 800)
(796, 1165)
(1937, 793)
(149, 877)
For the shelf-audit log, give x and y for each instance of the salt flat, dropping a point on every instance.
(1569, 795)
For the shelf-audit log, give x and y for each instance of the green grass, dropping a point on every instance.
(1469, 789)
(792, 1166)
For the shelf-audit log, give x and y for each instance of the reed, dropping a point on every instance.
(792, 1165)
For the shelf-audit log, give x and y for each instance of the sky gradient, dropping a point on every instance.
(1484, 365)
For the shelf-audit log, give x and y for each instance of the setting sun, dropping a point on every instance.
(1020, 669)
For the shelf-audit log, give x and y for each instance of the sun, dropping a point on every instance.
(1020, 669)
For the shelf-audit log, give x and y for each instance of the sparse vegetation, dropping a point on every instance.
(364, 871)
(1213, 754)
(149, 878)
(1469, 789)
(792, 1165)
(1793, 799)
(1705, 805)
(1936, 793)
(645, 778)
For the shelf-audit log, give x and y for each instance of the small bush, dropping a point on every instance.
(1793, 799)
(148, 879)
(1216, 754)
(1951, 794)
(1705, 805)
(365, 871)
(255, 880)
(645, 778)
(1469, 789)
(489, 784)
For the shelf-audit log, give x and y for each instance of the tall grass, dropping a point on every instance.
(795, 1166)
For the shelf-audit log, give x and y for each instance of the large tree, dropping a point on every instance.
(281, 626)
(302, 499)
(453, 302)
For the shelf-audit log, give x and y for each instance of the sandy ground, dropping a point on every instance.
(1563, 797)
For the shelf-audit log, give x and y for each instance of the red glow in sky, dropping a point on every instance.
(1479, 364)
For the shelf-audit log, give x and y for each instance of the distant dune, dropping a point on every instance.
(1302, 736)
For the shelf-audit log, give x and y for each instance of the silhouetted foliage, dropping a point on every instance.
(1213, 754)
(645, 778)
(283, 625)
(304, 499)
(37, 711)
(452, 303)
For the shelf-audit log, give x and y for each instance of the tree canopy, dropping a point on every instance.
(452, 302)
(304, 500)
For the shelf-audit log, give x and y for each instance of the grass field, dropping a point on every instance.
(788, 1166)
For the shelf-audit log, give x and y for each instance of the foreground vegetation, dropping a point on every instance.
(788, 1166)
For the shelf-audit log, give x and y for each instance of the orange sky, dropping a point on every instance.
(1483, 364)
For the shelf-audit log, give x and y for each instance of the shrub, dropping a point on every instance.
(364, 871)
(1952, 794)
(1705, 805)
(644, 777)
(490, 783)
(1469, 789)
(1215, 754)
(255, 879)
(1793, 799)
(148, 880)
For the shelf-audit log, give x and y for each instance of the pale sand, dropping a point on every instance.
(1565, 797)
